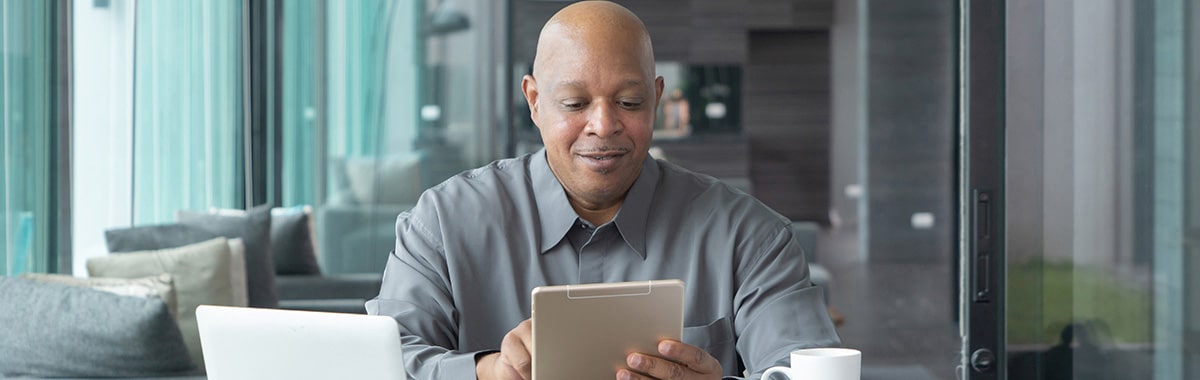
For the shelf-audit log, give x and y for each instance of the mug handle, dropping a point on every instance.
(778, 369)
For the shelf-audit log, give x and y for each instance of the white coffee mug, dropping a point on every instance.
(821, 364)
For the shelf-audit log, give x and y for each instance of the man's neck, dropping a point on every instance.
(598, 215)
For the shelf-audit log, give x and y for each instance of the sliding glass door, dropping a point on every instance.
(1090, 234)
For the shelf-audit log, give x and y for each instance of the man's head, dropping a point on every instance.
(593, 95)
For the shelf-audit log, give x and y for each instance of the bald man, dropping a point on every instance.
(592, 206)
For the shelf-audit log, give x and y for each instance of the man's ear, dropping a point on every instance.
(658, 90)
(529, 88)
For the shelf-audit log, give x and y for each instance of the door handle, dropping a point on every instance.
(981, 233)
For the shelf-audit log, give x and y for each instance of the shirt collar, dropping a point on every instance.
(557, 216)
(631, 219)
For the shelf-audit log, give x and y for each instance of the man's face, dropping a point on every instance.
(595, 108)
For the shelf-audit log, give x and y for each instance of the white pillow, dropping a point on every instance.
(201, 273)
(391, 180)
(237, 272)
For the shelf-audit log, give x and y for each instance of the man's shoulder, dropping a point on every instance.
(702, 194)
(481, 185)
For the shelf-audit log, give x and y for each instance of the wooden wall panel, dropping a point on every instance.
(787, 116)
(693, 31)
(911, 129)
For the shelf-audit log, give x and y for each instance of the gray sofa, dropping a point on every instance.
(806, 233)
(339, 293)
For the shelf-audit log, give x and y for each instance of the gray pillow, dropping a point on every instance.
(145, 238)
(254, 228)
(53, 330)
(291, 242)
(159, 287)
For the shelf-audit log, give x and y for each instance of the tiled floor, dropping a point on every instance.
(899, 315)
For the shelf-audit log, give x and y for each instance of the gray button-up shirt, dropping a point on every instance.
(471, 250)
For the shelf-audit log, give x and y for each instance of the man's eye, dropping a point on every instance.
(630, 105)
(571, 106)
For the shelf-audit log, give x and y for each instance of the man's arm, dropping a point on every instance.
(416, 292)
(777, 308)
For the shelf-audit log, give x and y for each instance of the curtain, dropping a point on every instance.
(188, 108)
(27, 134)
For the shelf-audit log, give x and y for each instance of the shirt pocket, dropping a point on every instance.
(715, 337)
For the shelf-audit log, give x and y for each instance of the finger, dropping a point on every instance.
(654, 367)
(626, 374)
(690, 356)
(505, 370)
(515, 349)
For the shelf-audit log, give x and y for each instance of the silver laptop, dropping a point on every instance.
(249, 343)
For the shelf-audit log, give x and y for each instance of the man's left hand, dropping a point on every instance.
(675, 361)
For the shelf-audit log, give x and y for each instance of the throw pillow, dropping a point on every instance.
(292, 246)
(254, 228)
(201, 274)
(55, 330)
(237, 272)
(158, 287)
(145, 238)
(394, 180)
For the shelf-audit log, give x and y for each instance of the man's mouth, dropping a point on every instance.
(604, 160)
(603, 157)
(604, 153)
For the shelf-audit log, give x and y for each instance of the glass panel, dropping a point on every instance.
(1097, 149)
(377, 108)
(187, 140)
(27, 115)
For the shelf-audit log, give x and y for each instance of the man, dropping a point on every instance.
(593, 207)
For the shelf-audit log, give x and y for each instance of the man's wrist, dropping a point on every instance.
(484, 361)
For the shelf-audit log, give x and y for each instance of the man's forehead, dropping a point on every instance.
(584, 85)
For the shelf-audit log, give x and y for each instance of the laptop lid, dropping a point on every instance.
(250, 343)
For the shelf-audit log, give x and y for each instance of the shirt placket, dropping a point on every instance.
(591, 256)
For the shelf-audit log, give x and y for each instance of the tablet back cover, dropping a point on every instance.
(585, 331)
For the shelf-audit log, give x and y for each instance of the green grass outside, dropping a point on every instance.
(1043, 298)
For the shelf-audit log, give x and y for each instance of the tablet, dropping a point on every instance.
(585, 331)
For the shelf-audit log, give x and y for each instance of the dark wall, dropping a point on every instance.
(783, 47)
(911, 128)
(692, 31)
(787, 114)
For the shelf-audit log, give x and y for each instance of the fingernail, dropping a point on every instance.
(664, 348)
(635, 361)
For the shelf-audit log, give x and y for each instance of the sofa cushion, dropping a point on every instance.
(385, 180)
(201, 273)
(55, 330)
(145, 238)
(159, 287)
(237, 272)
(254, 228)
(162, 236)
(292, 246)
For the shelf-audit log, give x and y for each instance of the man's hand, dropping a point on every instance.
(515, 359)
(676, 361)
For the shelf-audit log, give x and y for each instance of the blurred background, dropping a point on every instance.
(851, 117)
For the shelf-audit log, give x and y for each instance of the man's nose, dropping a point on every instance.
(603, 121)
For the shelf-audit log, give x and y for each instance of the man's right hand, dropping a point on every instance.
(515, 359)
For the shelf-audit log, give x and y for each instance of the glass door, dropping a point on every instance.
(1076, 265)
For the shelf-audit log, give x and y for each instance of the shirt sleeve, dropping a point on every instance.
(777, 308)
(417, 294)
